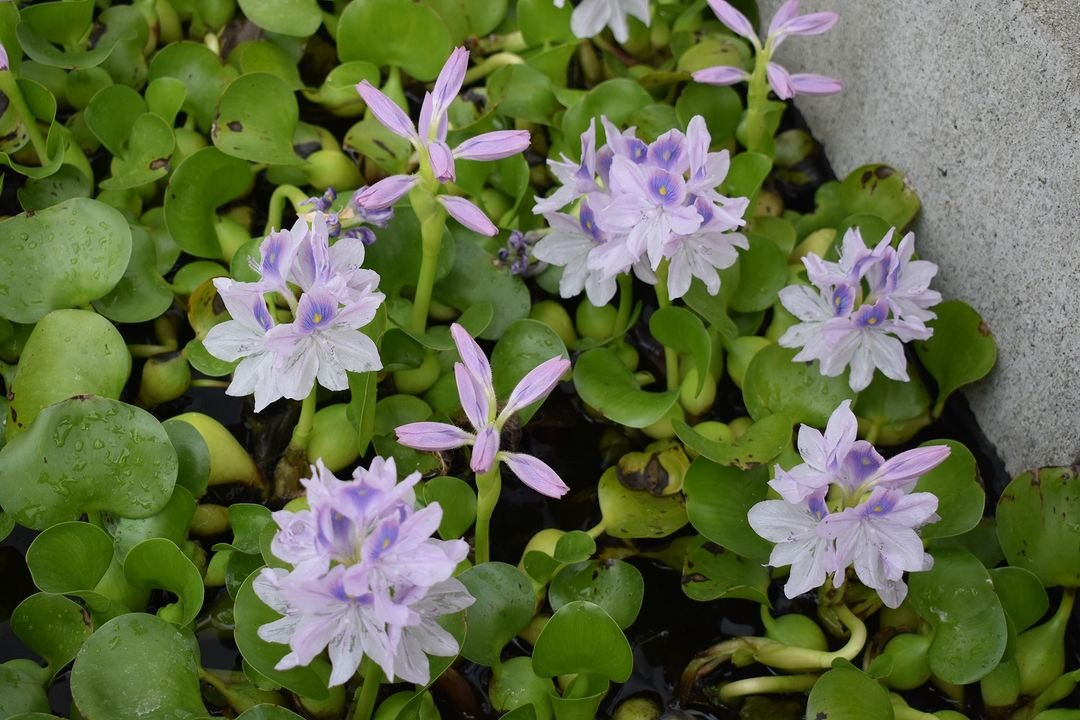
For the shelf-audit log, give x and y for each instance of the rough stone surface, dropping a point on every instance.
(979, 104)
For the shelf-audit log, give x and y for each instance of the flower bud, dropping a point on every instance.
(595, 322)
(554, 315)
(741, 351)
(333, 438)
(417, 380)
(164, 378)
(910, 667)
(1040, 651)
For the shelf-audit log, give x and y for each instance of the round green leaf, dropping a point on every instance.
(614, 585)
(844, 693)
(397, 260)
(87, 453)
(193, 455)
(879, 190)
(602, 381)
(574, 547)
(164, 97)
(142, 294)
(898, 409)
(110, 680)
(774, 383)
(961, 350)
(171, 523)
(720, 106)
(618, 99)
(205, 180)
(159, 563)
(637, 513)
(60, 22)
(1021, 594)
(747, 172)
(960, 497)
(957, 598)
(22, 694)
(763, 272)
(268, 712)
(411, 36)
(710, 573)
(458, 502)
(761, 443)
(1038, 524)
(66, 183)
(515, 687)
(202, 74)
(256, 119)
(250, 613)
(581, 638)
(542, 23)
(681, 330)
(69, 557)
(146, 157)
(717, 502)
(297, 18)
(523, 346)
(504, 606)
(111, 116)
(62, 256)
(52, 626)
(69, 352)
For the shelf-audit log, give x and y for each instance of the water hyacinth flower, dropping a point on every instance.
(368, 579)
(590, 17)
(860, 310)
(848, 506)
(640, 205)
(322, 342)
(477, 393)
(429, 139)
(785, 23)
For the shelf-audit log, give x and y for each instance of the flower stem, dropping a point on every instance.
(671, 358)
(488, 487)
(757, 98)
(302, 432)
(432, 226)
(277, 205)
(767, 684)
(10, 86)
(369, 690)
(491, 64)
(786, 657)
(626, 302)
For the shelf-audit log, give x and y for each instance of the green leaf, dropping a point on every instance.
(1022, 596)
(516, 690)
(411, 36)
(776, 384)
(961, 350)
(957, 598)
(63, 256)
(296, 18)
(142, 293)
(247, 521)
(61, 23)
(581, 638)
(879, 190)
(523, 346)
(955, 482)
(111, 116)
(710, 573)
(22, 694)
(614, 585)
(504, 606)
(1038, 524)
(109, 680)
(618, 99)
(202, 74)
(52, 626)
(603, 382)
(165, 97)
(898, 409)
(541, 22)
(69, 352)
(87, 453)
(721, 108)
(748, 171)
(474, 279)
(159, 563)
(69, 557)
(844, 693)
(574, 547)
(761, 443)
(256, 119)
(397, 260)
(66, 183)
(763, 273)
(205, 180)
(525, 93)
(458, 502)
(171, 523)
(193, 456)
(681, 330)
(718, 499)
(146, 157)
(250, 613)
(268, 712)
(637, 513)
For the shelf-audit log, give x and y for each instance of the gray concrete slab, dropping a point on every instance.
(978, 102)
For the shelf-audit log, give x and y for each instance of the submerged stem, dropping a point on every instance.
(368, 691)
(488, 487)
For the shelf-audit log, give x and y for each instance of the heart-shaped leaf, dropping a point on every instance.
(109, 680)
(411, 36)
(614, 585)
(504, 605)
(879, 190)
(774, 384)
(458, 502)
(961, 350)
(637, 513)
(581, 638)
(87, 453)
(52, 626)
(844, 693)
(681, 330)
(158, 564)
(69, 557)
(718, 499)
(710, 572)
(1021, 594)
(297, 18)
(761, 443)
(960, 497)
(146, 156)
(605, 383)
(202, 73)
(142, 293)
(62, 256)
(1038, 524)
(205, 180)
(523, 346)
(256, 119)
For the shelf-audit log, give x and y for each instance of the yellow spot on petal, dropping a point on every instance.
(877, 508)
(871, 321)
(316, 318)
(663, 190)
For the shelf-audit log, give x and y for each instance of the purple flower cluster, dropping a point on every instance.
(785, 23)
(477, 393)
(862, 309)
(367, 578)
(430, 143)
(641, 205)
(322, 342)
(847, 505)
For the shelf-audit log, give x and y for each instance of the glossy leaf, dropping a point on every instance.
(158, 563)
(1038, 524)
(404, 27)
(710, 572)
(581, 638)
(171, 523)
(109, 680)
(718, 499)
(256, 119)
(52, 626)
(614, 585)
(396, 256)
(205, 180)
(960, 497)
(458, 502)
(504, 606)
(961, 350)
(298, 18)
(541, 22)
(87, 453)
(957, 598)
(142, 293)
(761, 443)
(1022, 596)
(897, 409)
(637, 513)
(721, 107)
(602, 381)
(774, 384)
(193, 456)
(202, 73)
(69, 557)
(618, 99)
(763, 272)
(523, 346)
(879, 190)
(682, 331)
(62, 256)
(844, 693)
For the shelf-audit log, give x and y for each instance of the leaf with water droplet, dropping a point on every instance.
(131, 475)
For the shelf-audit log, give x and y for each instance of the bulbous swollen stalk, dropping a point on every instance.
(432, 219)
(488, 488)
